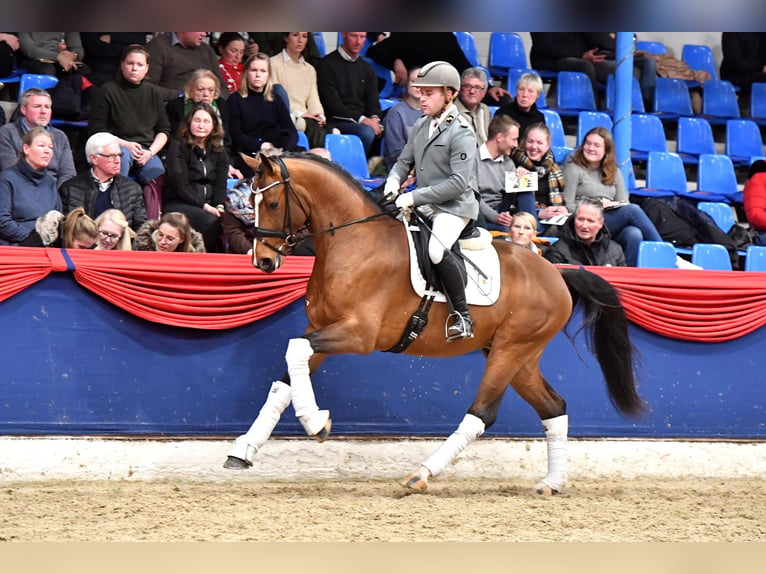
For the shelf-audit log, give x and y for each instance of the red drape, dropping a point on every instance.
(217, 291)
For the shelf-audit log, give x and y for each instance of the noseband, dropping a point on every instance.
(289, 237)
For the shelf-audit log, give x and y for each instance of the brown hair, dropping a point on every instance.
(76, 224)
(608, 162)
(134, 49)
(179, 221)
(215, 139)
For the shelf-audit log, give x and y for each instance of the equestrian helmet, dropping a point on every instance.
(438, 73)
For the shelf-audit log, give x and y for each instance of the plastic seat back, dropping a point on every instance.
(755, 258)
(636, 98)
(743, 141)
(651, 47)
(671, 98)
(468, 45)
(656, 254)
(553, 121)
(712, 256)
(700, 57)
(716, 174)
(665, 171)
(758, 100)
(719, 101)
(574, 93)
(586, 121)
(506, 51)
(647, 135)
(695, 137)
(348, 151)
(720, 212)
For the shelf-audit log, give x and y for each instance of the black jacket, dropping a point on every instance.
(569, 249)
(195, 176)
(126, 195)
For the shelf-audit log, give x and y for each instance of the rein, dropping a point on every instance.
(290, 237)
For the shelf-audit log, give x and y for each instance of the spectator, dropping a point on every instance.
(348, 91)
(402, 50)
(231, 49)
(583, 239)
(103, 51)
(523, 231)
(570, 51)
(9, 46)
(272, 43)
(523, 108)
(75, 231)
(27, 190)
(114, 233)
(755, 198)
(259, 120)
(238, 219)
(102, 187)
(744, 62)
(441, 150)
(175, 56)
(171, 233)
(491, 168)
(290, 69)
(473, 88)
(591, 171)
(35, 111)
(52, 53)
(133, 110)
(197, 171)
(400, 118)
(535, 155)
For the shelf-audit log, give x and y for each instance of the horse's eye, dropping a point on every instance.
(273, 205)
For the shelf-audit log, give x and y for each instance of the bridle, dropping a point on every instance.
(290, 238)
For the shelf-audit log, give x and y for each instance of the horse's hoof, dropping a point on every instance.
(322, 435)
(236, 463)
(542, 489)
(417, 481)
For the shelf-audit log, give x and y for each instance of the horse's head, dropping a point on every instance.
(279, 211)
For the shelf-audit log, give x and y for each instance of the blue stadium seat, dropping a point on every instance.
(700, 57)
(755, 258)
(586, 121)
(719, 101)
(743, 141)
(651, 47)
(506, 51)
(348, 151)
(672, 99)
(758, 103)
(695, 137)
(303, 140)
(47, 82)
(553, 121)
(647, 135)
(720, 212)
(468, 45)
(717, 180)
(712, 256)
(665, 175)
(574, 93)
(656, 254)
(637, 100)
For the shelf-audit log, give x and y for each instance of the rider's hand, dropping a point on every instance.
(405, 201)
(391, 189)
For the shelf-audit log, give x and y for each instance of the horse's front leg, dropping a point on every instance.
(315, 422)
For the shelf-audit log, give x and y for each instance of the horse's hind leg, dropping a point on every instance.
(551, 408)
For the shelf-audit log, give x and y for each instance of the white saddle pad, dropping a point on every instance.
(480, 290)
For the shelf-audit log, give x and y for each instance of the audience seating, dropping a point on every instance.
(46, 82)
(700, 57)
(319, 41)
(665, 175)
(713, 256)
(348, 151)
(506, 51)
(468, 45)
(743, 141)
(716, 179)
(758, 103)
(647, 135)
(513, 77)
(586, 121)
(574, 93)
(672, 99)
(720, 212)
(651, 47)
(719, 101)
(637, 99)
(303, 140)
(656, 254)
(559, 145)
(755, 258)
(694, 137)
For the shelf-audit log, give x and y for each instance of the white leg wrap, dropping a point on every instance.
(556, 430)
(246, 445)
(298, 353)
(468, 431)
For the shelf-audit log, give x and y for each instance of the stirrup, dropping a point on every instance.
(462, 328)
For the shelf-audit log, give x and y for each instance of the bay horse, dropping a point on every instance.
(359, 299)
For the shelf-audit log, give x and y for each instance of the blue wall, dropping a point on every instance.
(75, 364)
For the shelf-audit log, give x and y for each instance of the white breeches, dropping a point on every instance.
(446, 229)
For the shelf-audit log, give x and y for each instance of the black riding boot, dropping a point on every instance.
(453, 278)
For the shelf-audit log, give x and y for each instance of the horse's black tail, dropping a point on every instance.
(606, 331)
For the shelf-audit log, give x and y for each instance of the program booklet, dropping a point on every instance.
(516, 184)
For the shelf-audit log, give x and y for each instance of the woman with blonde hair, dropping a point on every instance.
(259, 119)
(114, 231)
(523, 231)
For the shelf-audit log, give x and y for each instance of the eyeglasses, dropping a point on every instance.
(110, 156)
(109, 236)
(471, 88)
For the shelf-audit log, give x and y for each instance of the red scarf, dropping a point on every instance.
(231, 74)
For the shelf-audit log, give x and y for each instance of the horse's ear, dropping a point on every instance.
(254, 162)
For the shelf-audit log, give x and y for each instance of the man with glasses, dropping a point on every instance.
(473, 88)
(102, 187)
(35, 111)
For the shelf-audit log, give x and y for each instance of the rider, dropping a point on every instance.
(441, 149)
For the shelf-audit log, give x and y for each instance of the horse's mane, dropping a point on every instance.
(339, 170)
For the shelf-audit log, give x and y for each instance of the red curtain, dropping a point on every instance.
(222, 291)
